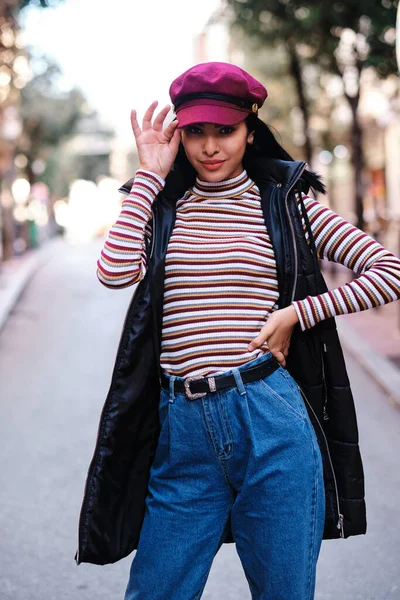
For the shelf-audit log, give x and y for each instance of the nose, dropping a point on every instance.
(210, 145)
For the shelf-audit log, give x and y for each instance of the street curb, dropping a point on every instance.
(13, 284)
(386, 375)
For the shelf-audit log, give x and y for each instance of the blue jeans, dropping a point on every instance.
(250, 454)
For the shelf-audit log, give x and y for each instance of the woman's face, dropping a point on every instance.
(216, 151)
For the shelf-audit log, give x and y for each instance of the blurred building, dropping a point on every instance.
(88, 151)
(379, 114)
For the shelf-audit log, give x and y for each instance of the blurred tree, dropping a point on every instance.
(267, 21)
(63, 138)
(49, 116)
(343, 38)
(271, 65)
(10, 44)
(14, 74)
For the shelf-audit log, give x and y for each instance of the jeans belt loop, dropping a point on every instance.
(172, 388)
(239, 381)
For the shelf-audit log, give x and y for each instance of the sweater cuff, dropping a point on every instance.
(300, 313)
(310, 311)
(151, 180)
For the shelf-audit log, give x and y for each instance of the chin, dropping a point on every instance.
(214, 176)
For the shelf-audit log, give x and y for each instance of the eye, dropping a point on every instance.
(193, 129)
(226, 130)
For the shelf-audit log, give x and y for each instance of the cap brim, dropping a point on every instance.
(218, 115)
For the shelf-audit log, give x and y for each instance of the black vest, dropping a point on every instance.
(116, 485)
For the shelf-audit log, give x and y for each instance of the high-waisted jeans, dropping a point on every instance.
(248, 454)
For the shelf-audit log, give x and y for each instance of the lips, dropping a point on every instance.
(212, 165)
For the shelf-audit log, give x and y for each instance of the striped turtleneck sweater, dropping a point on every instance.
(220, 271)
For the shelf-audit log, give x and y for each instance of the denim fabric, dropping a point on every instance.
(249, 454)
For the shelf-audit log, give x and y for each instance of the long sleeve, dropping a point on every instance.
(122, 261)
(339, 241)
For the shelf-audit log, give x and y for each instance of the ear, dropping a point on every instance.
(250, 138)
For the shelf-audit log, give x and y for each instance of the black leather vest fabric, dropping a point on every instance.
(116, 485)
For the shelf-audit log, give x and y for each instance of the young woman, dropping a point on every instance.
(212, 231)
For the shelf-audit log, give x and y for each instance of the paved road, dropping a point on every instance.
(56, 356)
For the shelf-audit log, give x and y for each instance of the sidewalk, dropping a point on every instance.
(372, 337)
(16, 273)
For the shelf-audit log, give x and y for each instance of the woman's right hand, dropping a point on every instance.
(157, 149)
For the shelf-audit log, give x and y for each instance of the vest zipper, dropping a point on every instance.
(153, 235)
(339, 524)
(325, 412)
(340, 516)
(292, 231)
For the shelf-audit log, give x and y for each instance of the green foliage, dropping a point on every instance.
(49, 118)
(58, 128)
(46, 112)
(318, 26)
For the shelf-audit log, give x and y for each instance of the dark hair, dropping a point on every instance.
(265, 145)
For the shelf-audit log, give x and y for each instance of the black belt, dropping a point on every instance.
(196, 387)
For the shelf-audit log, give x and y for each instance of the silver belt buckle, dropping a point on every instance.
(194, 396)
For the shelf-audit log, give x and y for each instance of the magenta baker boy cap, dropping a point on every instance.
(216, 92)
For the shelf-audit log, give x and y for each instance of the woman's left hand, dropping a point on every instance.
(277, 333)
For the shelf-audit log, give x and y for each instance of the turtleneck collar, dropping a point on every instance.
(222, 189)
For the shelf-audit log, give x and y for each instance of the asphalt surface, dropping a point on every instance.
(57, 352)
